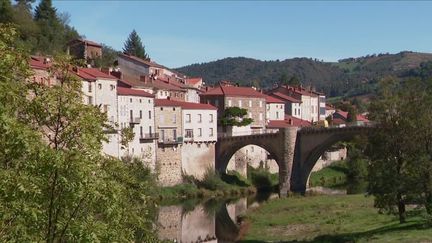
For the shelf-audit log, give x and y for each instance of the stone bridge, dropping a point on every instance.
(295, 151)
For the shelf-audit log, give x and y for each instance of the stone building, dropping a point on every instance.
(168, 121)
(41, 73)
(136, 110)
(224, 96)
(200, 136)
(84, 49)
(292, 105)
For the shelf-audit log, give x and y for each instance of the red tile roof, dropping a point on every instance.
(344, 116)
(289, 121)
(133, 92)
(93, 74)
(88, 42)
(193, 81)
(285, 97)
(235, 91)
(184, 105)
(142, 61)
(271, 99)
(38, 62)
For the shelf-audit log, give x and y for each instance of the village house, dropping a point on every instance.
(84, 49)
(310, 106)
(40, 66)
(168, 121)
(100, 89)
(136, 110)
(224, 96)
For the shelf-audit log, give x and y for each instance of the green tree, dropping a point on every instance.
(56, 186)
(352, 114)
(294, 81)
(28, 29)
(109, 56)
(6, 11)
(234, 116)
(284, 80)
(134, 46)
(397, 149)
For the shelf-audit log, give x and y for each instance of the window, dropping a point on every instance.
(112, 86)
(90, 100)
(161, 108)
(140, 100)
(105, 108)
(150, 117)
(131, 115)
(216, 102)
(173, 108)
(277, 114)
(162, 134)
(250, 103)
(174, 134)
(229, 102)
(240, 103)
(188, 118)
(141, 132)
(141, 114)
(199, 118)
(150, 130)
(199, 132)
(100, 86)
(130, 100)
(211, 132)
(89, 87)
(260, 103)
(189, 133)
(162, 119)
(211, 118)
(149, 101)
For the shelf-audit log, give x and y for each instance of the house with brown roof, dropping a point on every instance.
(41, 73)
(244, 97)
(84, 49)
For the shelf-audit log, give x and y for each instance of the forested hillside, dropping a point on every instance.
(352, 76)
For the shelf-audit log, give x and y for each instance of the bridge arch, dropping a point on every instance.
(310, 145)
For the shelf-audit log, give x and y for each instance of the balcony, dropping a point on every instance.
(135, 120)
(148, 136)
(170, 141)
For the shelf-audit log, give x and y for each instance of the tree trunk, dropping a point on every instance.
(401, 209)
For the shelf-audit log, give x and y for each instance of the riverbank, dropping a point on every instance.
(335, 218)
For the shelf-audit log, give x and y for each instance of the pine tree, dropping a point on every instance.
(133, 46)
(51, 38)
(6, 11)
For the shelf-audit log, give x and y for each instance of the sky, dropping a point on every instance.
(179, 33)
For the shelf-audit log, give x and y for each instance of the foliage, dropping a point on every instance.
(133, 46)
(234, 116)
(126, 136)
(56, 186)
(352, 114)
(334, 79)
(109, 56)
(262, 179)
(399, 151)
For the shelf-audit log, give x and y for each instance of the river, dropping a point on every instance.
(214, 220)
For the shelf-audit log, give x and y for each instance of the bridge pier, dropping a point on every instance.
(289, 136)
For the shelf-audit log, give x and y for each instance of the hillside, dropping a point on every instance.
(351, 76)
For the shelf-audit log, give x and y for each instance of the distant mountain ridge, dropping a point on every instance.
(350, 75)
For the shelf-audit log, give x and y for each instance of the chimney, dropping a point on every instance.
(117, 74)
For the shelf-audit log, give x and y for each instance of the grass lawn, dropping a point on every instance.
(344, 218)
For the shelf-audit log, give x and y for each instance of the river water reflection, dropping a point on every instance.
(209, 221)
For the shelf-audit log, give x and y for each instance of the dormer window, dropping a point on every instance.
(100, 86)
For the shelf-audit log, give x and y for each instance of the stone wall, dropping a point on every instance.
(169, 165)
(197, 158)
(329, 157)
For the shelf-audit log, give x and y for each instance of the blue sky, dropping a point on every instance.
(181, 33)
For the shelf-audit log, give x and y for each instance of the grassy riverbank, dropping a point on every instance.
(332, 176)
(345, 218)
(213, 185)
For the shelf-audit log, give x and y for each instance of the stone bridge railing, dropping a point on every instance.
(248, 133)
